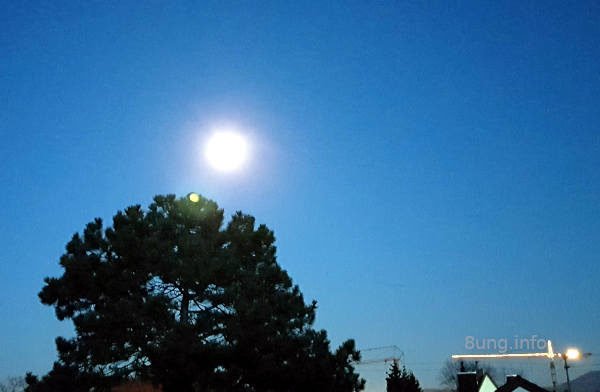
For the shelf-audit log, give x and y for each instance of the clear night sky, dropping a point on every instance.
(431, 170)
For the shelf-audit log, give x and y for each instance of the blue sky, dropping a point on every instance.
(430, 169)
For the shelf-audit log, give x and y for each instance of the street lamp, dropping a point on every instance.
(571, 354)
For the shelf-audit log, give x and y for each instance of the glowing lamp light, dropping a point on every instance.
(193, 197)
(573, 354)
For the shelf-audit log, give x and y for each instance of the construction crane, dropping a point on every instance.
(396, 357)
(550, 354)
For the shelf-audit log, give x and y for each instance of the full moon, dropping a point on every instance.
(226, 151)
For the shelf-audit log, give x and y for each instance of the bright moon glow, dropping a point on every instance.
(226, 151)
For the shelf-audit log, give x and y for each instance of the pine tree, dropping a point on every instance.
(173, 295)
(401, 380)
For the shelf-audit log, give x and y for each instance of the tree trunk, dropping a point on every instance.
(185, 304)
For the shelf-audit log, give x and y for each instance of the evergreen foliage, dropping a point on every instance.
(401, 380)
(174, 296)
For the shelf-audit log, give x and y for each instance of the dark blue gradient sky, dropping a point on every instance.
(431, 169)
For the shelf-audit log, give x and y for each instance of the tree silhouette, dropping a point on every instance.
(13, 384)
(172, 295)
(450, 368)
(401, 380)
(447, 376)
